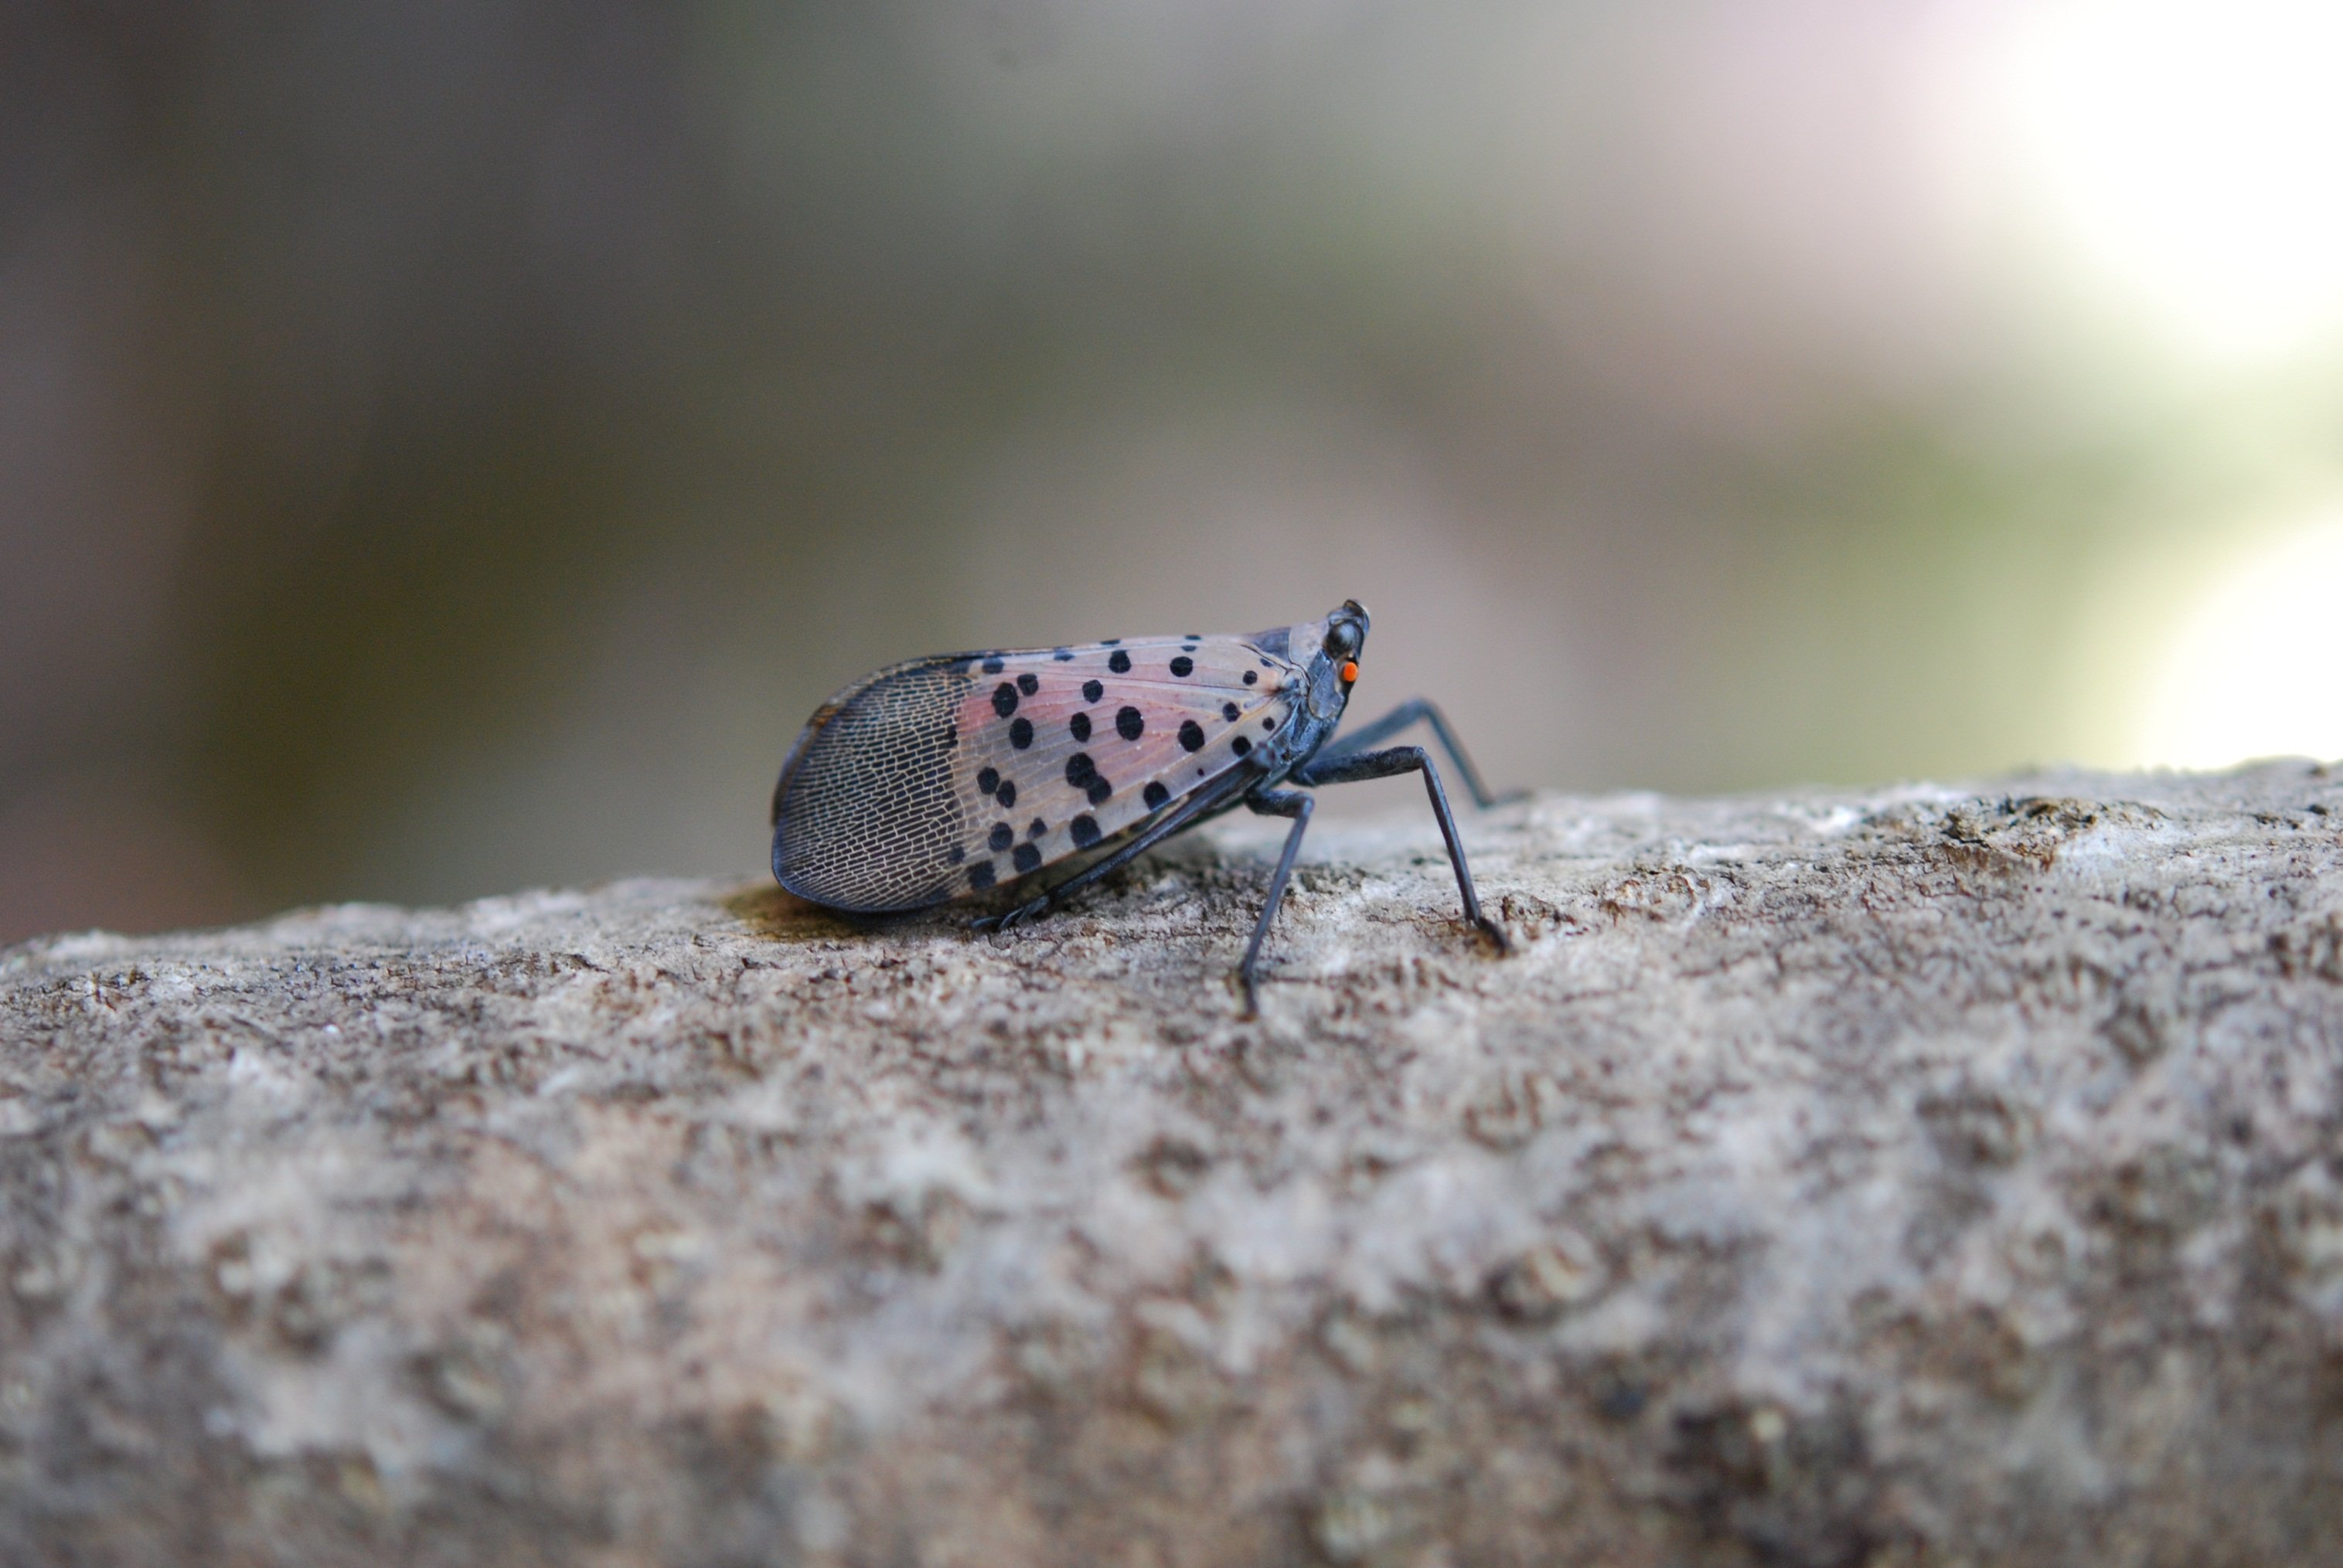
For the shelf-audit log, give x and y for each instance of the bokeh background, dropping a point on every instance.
(447, 446)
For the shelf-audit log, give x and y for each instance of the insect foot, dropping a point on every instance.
(1494, 929)
(1009, 920)
(1247, 995)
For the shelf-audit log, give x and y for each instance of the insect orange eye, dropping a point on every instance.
(1349, 671)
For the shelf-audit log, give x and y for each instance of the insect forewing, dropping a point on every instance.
(947, 776)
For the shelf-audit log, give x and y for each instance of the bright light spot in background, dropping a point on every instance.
(2255, 668)
(2194, 153)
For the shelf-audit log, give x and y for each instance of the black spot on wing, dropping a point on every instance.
(1007, 793)
(1130, 724)
(1085, 829)
(979, 876)
(1240, 746)
(1036, 829)
(1154, 794)
(1020, 733)
(1183, 666)
(1062, 655)
(1027, 858)
(992, 666)
(1092, 690)
(1119, 662)
(1229, 712)
(1191, 735)
(1000, 838)
(1028, 683)
(1084, 775)
(955, 854)
(988, 779)
(1252, 677)
(1004, 700)
(1079, 727)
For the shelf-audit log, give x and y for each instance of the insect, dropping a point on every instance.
(951, 777)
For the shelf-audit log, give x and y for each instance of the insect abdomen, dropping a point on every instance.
(865, 814)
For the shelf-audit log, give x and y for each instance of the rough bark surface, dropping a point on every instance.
(1924, 1176)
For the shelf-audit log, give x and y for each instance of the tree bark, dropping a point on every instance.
(1921, 1176)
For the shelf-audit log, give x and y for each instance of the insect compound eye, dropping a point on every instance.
(1342, 640)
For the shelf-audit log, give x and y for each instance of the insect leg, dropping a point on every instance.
(1389, 764)
(1379, 729)
(1274, 803)
(1207, 799)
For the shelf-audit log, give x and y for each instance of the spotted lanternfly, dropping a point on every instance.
(951, 777)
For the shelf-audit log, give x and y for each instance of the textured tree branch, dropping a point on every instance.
(1924, 1176)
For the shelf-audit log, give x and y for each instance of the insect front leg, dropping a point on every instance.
(1389, 764)
(1274, 803)
(1352, 742)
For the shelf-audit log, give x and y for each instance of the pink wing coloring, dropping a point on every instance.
(1067, 748)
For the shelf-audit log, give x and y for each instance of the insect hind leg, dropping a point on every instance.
(1375, 731)
(1389, 764)
(1274, 803)
(1181, 816)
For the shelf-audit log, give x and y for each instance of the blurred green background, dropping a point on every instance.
(451, 446)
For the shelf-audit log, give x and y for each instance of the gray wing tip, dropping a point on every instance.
(782, 874)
